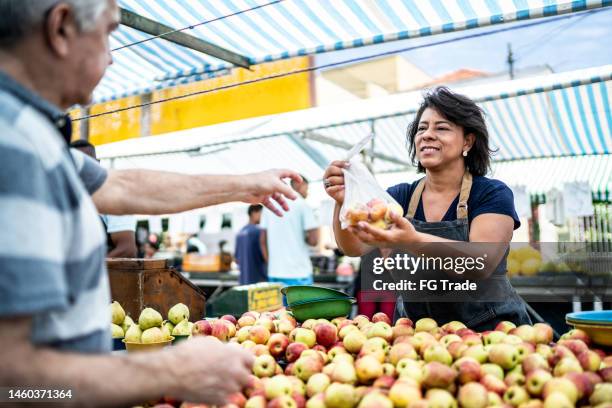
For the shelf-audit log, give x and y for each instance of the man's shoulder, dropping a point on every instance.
(26, 133)
(10, 107)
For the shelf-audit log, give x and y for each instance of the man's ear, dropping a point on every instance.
(60, 27)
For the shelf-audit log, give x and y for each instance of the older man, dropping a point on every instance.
(54, 291)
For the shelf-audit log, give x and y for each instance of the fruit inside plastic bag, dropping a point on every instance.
(365, 200)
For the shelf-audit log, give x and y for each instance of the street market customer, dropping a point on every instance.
(249, 257)
(453, 211)
(120, 229)
(285, 242)
(54, 290)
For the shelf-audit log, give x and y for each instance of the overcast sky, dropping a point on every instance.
(564, 44)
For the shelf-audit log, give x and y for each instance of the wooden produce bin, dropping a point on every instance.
(140, 283)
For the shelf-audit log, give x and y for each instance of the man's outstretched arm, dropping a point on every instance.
(158, 192)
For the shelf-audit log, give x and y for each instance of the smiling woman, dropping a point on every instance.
(450, 115)
(451, 212)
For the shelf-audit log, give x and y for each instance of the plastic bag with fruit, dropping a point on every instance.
(364, 199)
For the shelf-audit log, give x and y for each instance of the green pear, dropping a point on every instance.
(192, 327)
(169, 325)
(178, 312)
(116, 331)
(133, 334)
(127, 322)
(117, 313)
(149, 318)
(153, 335)
(182, 329)
(166, 331)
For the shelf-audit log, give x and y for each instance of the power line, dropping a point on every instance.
(190, 27)
(526, 49)
(324, 66)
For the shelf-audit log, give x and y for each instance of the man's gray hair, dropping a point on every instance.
(19, 17)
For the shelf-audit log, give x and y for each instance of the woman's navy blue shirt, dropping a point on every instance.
(488, 196)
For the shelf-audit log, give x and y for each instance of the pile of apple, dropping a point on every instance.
(150, 327)
(346, 363)
(375, 212)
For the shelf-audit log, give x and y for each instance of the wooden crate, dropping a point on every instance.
(140, 283)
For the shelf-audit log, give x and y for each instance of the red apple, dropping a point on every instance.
(472, 339)
(494, 384)
(326, 334)
(384, 382)
(438, 375)
(381, 317)
(453, 327)
(237, 399)
(294, 350)
(589, 360)
(505, 326)
(543, 333)
(203, 327)
(305, 367)
(299, 399)
(473, 395)
(526, 332)
(559, 352)
(400, 351)
(456, 349)
(402, 331)
(469, 370)
(404, 321)
(534, 361)
(220, 330)
(277, 344)
(606, 374)
(229, 318)
(254, 386)
(260, 349)
(577, 334)
(259, 334)
(582, 382)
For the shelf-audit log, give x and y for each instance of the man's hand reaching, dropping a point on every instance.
(268, 187)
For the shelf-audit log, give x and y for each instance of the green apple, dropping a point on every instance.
(473, 395)
(277, 386)
(516, 395)
(504, 355)
(339, 395)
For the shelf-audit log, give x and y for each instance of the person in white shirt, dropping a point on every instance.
(285, 241)
(120, 229)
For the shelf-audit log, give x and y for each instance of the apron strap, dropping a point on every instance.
(414, 200)
(466, 186)
(462, 207)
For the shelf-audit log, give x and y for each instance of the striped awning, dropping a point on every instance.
(546, 118)
(288, 28)
(596, 170)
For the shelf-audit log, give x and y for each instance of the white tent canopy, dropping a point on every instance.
(566, 114)
(271, 30)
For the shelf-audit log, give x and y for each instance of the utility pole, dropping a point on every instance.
(510, 60)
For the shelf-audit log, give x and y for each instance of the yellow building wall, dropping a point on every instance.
(267, 97)
(115, 126)
(243, 101)
(76, 125)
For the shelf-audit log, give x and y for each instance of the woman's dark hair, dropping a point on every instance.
(461, 111)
